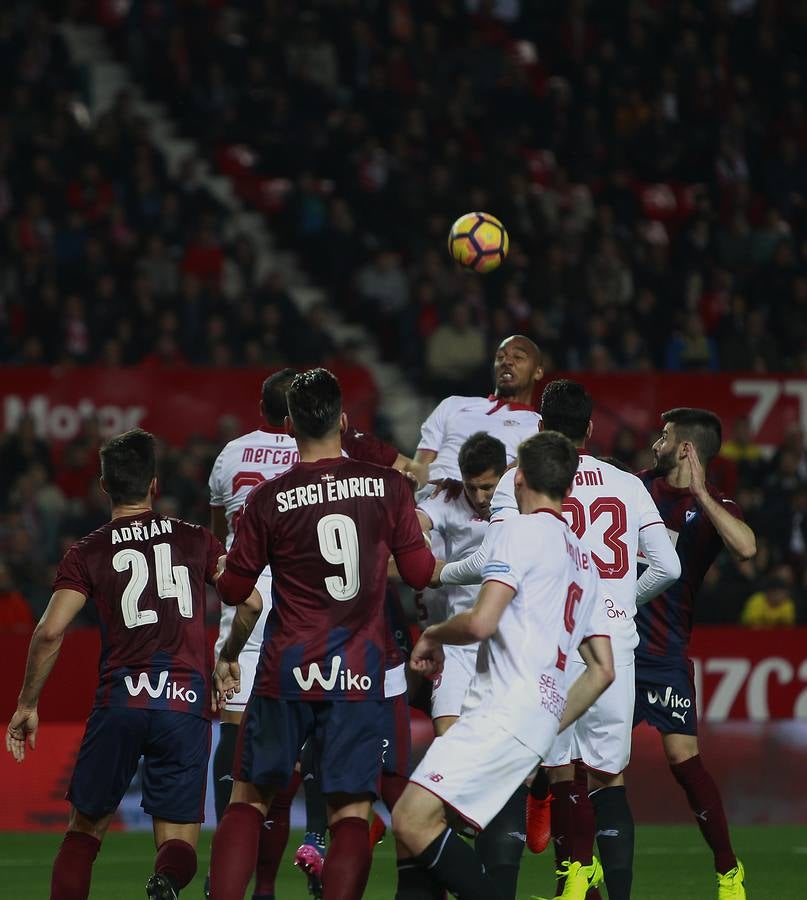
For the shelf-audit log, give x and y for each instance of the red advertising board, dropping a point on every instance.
(754, 675)
(174, 403)
(179, 402)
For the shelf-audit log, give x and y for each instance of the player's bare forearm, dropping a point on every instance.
(64, 606)
(739, 539)
(596, 678)
(425, 457)
(479, 623)
(42, 655)
(458, 630)
(246, 616)
(416, 469)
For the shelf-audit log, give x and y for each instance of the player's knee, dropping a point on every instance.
(411, 818)
(678, 748)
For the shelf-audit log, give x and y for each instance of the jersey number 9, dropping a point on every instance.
(339, 545)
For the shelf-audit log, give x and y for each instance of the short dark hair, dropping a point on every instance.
(273, 396)
(700, 426)
(549, 461)
(566, 407)
(315, 403)
(481, 452)
(128, 465)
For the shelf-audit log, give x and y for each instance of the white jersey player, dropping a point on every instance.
(462, 522)
(508, 414)
(538, 604)
(248, 460)
(614, 513)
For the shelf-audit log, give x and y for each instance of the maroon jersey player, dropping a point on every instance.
(327, 528)
(146, 574)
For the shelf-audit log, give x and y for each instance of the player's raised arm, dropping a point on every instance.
(43, 652)
(735, 534)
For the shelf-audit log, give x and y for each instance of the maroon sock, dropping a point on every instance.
(392, 786)
(347, 865)
(235, 851)
(583, 819)
(72, 868)
(572, 826)
(704, 800)
(177, 861)
(274, 837)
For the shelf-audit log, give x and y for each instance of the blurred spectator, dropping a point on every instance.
(456, 353)
(741, 450)
(773, 606)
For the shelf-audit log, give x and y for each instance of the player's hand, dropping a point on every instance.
(428, 656)
(451, 487)
(226, 682)
(439, 565)
(24, 724)
(220, 567)
(698, 477)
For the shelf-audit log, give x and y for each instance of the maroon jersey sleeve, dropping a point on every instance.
(248, 554)
(368, 448)
(414, 559)
(72, 573)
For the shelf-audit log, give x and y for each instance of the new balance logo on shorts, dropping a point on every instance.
(436, 777)
(347, 680)
(170, 689)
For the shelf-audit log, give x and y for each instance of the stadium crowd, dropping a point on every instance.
(648, 159)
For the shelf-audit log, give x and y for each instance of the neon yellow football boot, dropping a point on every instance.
(730, 885)
(580, 879)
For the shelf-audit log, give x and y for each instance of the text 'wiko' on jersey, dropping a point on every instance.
(146, 574)
(327, 530)
(665, 624)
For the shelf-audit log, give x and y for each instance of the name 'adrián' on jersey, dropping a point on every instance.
(141, 531)
(329, 490)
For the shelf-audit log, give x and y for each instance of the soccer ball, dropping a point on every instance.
(478, 241)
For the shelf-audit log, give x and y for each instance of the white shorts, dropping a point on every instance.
(601, 736)
(248, 659)
(475, 767)
(448, 688)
